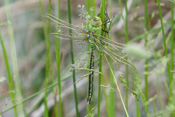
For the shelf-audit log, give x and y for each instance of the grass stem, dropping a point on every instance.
(72, 59)
(58, 61)
(102, 16)
(166, 51)
(172, 53)
(47, 59)
(146, 61)
(9, 76)
(18, 90)
(117, 88)
(126, 41)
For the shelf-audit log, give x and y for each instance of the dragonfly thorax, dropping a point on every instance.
(96, 22)
(95, 25)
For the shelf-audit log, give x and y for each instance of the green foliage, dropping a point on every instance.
(144, 64)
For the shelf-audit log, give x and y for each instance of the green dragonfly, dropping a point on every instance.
(91, 34)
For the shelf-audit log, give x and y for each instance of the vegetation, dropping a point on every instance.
(87, 58)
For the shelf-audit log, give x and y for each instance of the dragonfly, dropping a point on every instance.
(91, 34)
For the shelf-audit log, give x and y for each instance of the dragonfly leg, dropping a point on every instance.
(106, 22)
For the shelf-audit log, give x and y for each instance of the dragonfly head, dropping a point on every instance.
(96, 21)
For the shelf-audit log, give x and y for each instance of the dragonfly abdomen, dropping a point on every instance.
(91, 77)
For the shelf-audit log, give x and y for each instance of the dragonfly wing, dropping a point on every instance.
(62, 30)
(113, 53)
(61, 25)
(110, 42)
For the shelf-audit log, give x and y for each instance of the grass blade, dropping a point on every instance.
(126, 41)
(146, 61)
(9, 76)
(117, 87)
(166, 51)
(21, 108)
(58, 61)
(72, 60)
(47, 59)
(102, 16)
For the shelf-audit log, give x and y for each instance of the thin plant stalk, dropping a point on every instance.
(165, 47)
(58, 61)
(102, 11)
(99, 86)
(50, 74)
(125, 20)
(9, 76)
(127, 115)
(94, 8)
(127, 70)
(172, 52)
(137, 109)
(137, 84)
(111, 104)
(126, 41)
(146, 61)
(18, 89)
(72, 60)
(47, 60)
(87, 6)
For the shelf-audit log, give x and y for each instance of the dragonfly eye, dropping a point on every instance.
(96, 18)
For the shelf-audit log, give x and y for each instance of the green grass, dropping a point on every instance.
(58, 60)
(146, 36)
(18, 90)
(172, 53)
(115, 96)
(126, 112)
(10, 85)
(169, 66)
(100, 76)
(47, 59)
(112, 84)
(126, 41)
(72, 60)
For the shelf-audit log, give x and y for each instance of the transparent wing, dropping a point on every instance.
(61, 25)
(113, 44)
(118, 58)
(113, 50)
(61, 30)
